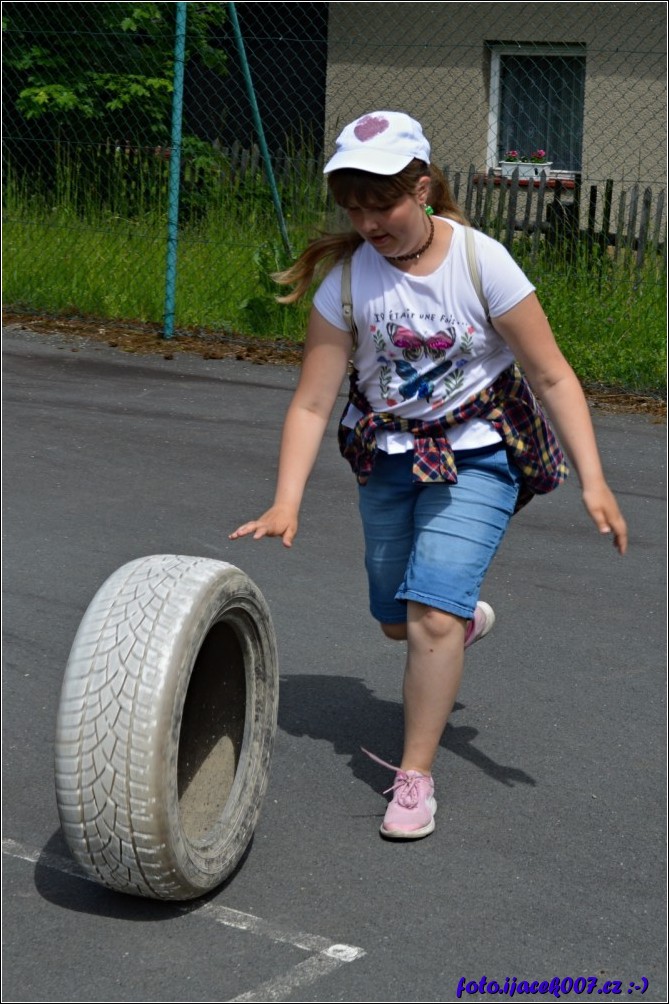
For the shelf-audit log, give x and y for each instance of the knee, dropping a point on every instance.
(396, 632)
(435, 625)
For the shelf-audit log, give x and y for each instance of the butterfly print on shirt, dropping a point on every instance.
(420, 385)
(413, 346)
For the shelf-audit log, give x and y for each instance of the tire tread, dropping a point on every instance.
(106, 730)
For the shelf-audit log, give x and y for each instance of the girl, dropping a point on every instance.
(442, 430)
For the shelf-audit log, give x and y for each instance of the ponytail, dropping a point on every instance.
(329, 248)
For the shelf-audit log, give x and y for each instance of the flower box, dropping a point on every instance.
(527, 170)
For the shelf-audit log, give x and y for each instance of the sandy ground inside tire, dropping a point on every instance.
(147, 339)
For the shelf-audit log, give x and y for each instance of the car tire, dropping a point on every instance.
(165, 726)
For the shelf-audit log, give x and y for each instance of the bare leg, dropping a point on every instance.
(435, 658)
(396, 632)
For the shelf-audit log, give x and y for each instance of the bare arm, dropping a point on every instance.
(326, 354)
(527, 332)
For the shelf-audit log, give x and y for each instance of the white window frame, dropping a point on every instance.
(523, 49)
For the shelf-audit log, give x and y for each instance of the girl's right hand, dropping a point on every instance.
(324, 367)
(279, 521)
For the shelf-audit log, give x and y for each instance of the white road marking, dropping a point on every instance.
(281, 987)
(325, 957)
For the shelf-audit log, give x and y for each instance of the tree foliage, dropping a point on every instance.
(98, 71)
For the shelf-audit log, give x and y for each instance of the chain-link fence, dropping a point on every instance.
(548, 118)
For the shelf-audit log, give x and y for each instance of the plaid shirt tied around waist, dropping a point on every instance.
(510, 407)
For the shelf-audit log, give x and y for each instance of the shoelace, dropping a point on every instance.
(406, 787)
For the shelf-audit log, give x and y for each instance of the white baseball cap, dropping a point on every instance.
(381, 143)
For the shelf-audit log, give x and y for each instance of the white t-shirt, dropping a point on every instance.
(425, 343)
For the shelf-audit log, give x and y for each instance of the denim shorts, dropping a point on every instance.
(433, 543)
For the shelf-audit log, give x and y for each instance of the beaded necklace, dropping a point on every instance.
(416, 254)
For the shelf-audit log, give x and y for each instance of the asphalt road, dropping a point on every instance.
(548, 857)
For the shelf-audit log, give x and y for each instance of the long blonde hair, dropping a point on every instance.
(369, 190)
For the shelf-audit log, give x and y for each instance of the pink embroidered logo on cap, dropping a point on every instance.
(369, 127)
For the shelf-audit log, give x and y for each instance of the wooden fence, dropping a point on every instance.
(629, 223)
(624, 221)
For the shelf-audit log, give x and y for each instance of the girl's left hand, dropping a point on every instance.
(603, 508)
(527, 332)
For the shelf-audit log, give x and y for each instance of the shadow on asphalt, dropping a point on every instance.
(343, 711)
(57, 881)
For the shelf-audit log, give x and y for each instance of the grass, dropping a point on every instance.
(64, 258)
(73, 252)
(609, 319)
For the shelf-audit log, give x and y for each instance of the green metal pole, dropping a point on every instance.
(259, 128)
(175, 170)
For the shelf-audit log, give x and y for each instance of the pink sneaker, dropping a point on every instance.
(410, 813)
(482, 623)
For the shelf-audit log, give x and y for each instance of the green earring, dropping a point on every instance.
(429, 210)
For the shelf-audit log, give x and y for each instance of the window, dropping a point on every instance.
(536, 101)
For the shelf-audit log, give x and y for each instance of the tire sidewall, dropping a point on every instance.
(236, 601)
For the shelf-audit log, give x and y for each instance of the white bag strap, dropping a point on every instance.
(347, 300)
(474, 275)
(473, 265)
